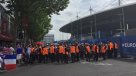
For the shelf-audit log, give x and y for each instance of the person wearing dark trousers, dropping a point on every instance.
(45, 54)
(82, 51)
(88, 52)
(95, 52)
(52, 53)
(66, 56)
(110, 51)
(57, 53)
(61, 51)
(39, 54)
(115, 50)
(77, 52)
(72, 51)
(103, 51)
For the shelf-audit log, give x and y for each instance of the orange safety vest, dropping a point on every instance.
(111, 46)
(52, 49)
(95, 49)
(32, 50)
(103, 49)
(72, 49)
(45, 51)
(88, 49)
(77, 49)
(61, 49)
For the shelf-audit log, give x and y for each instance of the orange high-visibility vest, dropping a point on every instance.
(111, 45)
(32, 50)
(88, 49)
(95, 49)
(72, 49)
(77, 49)
(52, 49)
(103, 49)
(61, 49)
(45, 51)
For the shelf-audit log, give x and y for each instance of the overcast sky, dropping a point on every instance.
(82, 8)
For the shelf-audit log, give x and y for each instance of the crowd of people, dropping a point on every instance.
(61, 52)
(65, 53)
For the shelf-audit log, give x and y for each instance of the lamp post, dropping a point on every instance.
(91, 29)
(23, 37)
(95, 26)
(123, 19)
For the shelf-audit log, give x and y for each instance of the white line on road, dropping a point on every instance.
(96, 63)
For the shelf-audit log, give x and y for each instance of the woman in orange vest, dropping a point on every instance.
(103, 51)
(45, 54)
(32, 54)
(52, 53)
(88, 52)
(72, 51)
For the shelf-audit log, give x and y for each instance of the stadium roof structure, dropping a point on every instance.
(105, 21)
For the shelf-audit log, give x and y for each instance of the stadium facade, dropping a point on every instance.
(118, 21)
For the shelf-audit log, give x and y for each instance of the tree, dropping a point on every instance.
(38, 14)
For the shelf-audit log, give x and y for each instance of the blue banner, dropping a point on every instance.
(129, 46)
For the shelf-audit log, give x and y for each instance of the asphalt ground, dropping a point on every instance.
(112, 67)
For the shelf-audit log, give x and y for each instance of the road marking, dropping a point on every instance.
(84, 62)
(103, 64)
(96, 63)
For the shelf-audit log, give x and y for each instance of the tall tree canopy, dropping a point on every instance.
(35, 13)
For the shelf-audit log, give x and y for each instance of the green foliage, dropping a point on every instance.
(38, 12)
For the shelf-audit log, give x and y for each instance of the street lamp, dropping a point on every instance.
(95, 26)
(122, 21)
(23, 33)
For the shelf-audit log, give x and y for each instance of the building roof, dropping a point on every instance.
(105, 21)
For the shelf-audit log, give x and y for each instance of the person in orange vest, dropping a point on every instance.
(64, 58)
(110, 49)
(52, 52)
(72, 51)
(88, 52)
(61, 51)
(103, 51)
(77, 52)
(95, 50)
(66, 54)
(115, 50)
(45, 53)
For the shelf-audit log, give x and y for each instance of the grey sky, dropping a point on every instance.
(82, 8)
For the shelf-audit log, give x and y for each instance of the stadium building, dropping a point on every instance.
(119, 21)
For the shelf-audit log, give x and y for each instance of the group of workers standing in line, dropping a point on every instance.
(63, 52)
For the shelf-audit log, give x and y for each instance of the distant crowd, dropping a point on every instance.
(62, 52)
(65, 53)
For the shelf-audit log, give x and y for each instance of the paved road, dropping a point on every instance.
(104, 68)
